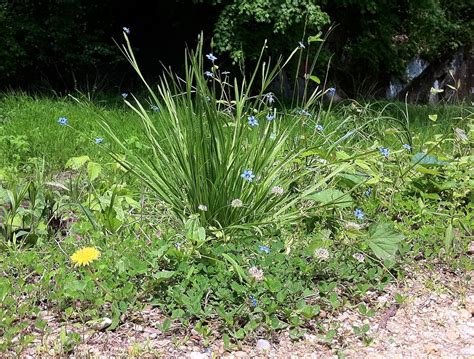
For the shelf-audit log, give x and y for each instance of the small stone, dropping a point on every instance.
(467, 330)
(263, 345)
(162, 343)
(310, 337)
(430, 349)
(101, 324)
(470, 249)
(468, 350)
(465, 314)
(452, 334)
(241, 354)
(197, 355)
(138, 328)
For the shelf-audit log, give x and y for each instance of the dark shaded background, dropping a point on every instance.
(65, 45)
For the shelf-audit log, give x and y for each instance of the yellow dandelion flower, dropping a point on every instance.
(85, 256)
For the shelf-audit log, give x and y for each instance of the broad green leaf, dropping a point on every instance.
(76, 163)
(164, 275)
(433, 117)
(93, 170)
(315, 38)
(422, 158)
(332, 196)
(383, 241)
(373, 180)
(425, 170)
(353, 179)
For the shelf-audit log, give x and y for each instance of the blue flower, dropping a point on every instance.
(368, 192)
(63, 121)
(384, 151)
(253, 301)
(407, 147)
(99, 140)
(211, 57)
(126, 30)
(248, 175)
(301, 44)
(209, 74)
(319, 128)
(253, 121)
(270, 117)
(264, 249)
(124, 94)
(359, 214)
(331, 91)
(154, 108)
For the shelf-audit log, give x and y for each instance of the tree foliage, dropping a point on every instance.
(46, 36)
(244, 25)
(372, 39)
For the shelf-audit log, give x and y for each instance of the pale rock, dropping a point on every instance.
(467, 330)
(263, 345)
(430, 349)
(465, 314)
(470, 249)
(197, 355)
(452, 334)
(100, 324)
(468, 350)
(241, 354)
(311, 337)
(162, 343)
(138, 328)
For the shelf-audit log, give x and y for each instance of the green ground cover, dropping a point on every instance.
(225, 209)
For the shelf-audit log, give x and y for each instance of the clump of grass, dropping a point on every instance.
(216, 149)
